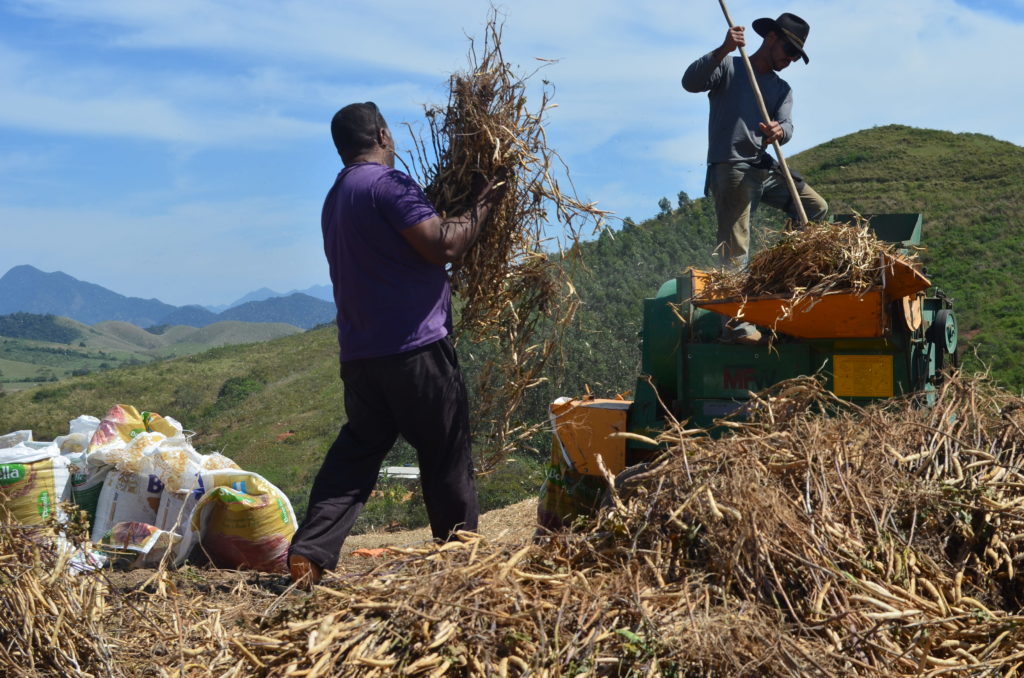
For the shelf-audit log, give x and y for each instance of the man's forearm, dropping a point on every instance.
(720, 53)
(459, 233)
(442, 241)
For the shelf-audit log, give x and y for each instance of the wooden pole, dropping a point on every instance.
(801, 213)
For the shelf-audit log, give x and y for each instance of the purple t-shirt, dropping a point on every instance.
(389, 298)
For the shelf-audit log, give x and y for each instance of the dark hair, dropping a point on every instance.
(355, 127)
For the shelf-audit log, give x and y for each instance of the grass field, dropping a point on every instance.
(274, 407)
(26, 363)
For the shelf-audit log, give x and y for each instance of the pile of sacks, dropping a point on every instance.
(149, 496)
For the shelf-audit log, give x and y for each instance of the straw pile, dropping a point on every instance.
(820, 258)
(49, 624)
(872, 542)
(888, 541)
(509, 290)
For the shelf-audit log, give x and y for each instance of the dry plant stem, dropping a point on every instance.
(510, 291)
(804, 264)
(818, 539)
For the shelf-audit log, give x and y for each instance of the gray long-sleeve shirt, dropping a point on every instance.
(733, 134)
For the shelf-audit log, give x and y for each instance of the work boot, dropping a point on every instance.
(736, 332)
(304, 572)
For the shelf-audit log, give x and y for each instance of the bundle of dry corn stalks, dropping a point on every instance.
(884, 541)
(510, 290)
(820, 258)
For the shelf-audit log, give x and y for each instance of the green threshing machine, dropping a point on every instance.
(891, 340)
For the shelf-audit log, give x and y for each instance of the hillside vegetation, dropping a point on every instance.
(35, 349)
(271, 406)
(34, 326)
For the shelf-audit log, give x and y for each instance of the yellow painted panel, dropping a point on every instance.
(830, 316)
(868, 376)
(583, 428)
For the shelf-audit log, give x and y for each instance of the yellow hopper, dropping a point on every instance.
(843, 314)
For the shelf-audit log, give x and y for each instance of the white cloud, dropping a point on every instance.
(197, 75)
(335, 34)
(619, 63)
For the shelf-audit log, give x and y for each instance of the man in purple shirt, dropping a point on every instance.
(387, 247)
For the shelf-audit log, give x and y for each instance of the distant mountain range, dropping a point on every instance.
(322, 292)
(27, 289)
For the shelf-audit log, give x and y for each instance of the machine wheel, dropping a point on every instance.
(947, 329)
(943, 334)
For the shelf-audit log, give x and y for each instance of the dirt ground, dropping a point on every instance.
(512, 524)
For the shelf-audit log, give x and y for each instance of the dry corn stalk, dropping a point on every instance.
(891, 537)
(820, 258)
(510, 292)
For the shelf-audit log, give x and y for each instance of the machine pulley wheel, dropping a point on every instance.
(945, 330)
(942, 333)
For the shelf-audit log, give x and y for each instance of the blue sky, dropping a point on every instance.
(180, 150)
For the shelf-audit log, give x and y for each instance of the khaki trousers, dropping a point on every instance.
(737, 189)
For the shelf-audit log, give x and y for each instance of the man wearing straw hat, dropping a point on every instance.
(741, 174)
(386, 247)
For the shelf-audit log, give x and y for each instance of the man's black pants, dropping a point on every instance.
(421, 395)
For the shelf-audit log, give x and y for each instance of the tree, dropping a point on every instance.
(665, 206)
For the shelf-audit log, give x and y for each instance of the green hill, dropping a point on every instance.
(35, 349)
(128, 336)
(276, 406)
(268, 405)
(39, 327)
(970, 188)
(235, 332)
